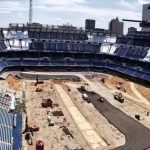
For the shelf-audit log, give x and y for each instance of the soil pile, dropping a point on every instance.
(13, 82)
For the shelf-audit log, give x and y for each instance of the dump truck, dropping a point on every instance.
(119, 97)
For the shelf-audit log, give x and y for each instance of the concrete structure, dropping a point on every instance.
(146, 12)
(132, 29)
(116, 27)
(90, 24)
(146, 16)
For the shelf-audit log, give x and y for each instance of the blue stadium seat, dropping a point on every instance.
(13, 62)
(75, 47)
(111, 65)
(5, 146)
(31, 34)
(45, 62)
(6, 119)
(99, 63)
(52, 46)
(30, 62)
(83, 62)
(122, 69)
(146, 77)
(66, 36)
(5, 134)
(3, 64)
(95, 48)
(87, 47)
(130, 71)
(64, 47)
(131, 53)
(59, 46)
(69, 62)
(43, 35)
(2, 46)
(138, 74)
(58, 62)
(76, 37)
(53, 35)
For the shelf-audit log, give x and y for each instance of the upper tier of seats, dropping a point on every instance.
(134, 41)
(53, 46)
(2, 46)
(131, 52)
(56, 35)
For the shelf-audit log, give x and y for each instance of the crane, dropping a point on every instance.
(143, 24)
(30, 11)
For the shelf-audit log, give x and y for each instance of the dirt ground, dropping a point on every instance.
(14, 83)
(53, 137)
(145, 91)
(113, 81)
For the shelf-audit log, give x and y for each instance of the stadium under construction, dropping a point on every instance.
(69, 88)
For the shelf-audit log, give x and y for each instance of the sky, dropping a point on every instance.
(74, 12)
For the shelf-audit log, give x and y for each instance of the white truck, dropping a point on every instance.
(86, 98)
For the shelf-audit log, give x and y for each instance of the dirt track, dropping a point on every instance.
(137, 136)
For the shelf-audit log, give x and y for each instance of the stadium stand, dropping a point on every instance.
(133, 41)
(2, 46)
(63, 46)
(5, 101)
(58, 34)
(2, 41)
(130, 67)
(6, 123)
(131, 52)
(10, 134)
(69, 46)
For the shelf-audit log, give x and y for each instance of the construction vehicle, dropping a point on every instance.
(119, 97)
(101, 99)
(38, 82)
(137, 117)
(86, 98)
(47, 103)
(58, 112)
(50, 121)
(83, 88)
(38, 90)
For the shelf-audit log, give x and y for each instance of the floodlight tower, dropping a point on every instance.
(30, 11)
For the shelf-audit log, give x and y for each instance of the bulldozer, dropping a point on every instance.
(119, 97)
